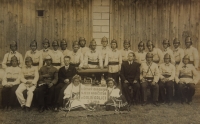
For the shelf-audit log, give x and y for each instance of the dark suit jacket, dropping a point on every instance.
(66, 74)
(130, 72)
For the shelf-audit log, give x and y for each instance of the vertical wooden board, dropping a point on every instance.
(47, 27)
(173, 20)
(181, 23)
(79, 19)
(58, 20)
(85, 20)
(143, 18)
(68, 21)
(137, 23)
(64, 21)
(126, 21)
(39, 21)
(2, 41)
(116, 21)
(122, 6)
(154, 21)
(194, 9)
(71, 20)
(6, 27)
(132, 25)
(90, 19)
(111, 13)
(198, 33)
(149, 15)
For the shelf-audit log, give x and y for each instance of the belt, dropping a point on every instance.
(56, 64)
(156, 62)
(35, 64)
(191, 62)
(8, 64)
(93, 63)
(166, 76)
(29, 77)
(10, 79)
(185, 76)
(113, 63)
(75, 64)
(149, 79)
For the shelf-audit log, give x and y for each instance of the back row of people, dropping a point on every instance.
(84, 57)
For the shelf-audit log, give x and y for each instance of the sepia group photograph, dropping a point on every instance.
(100, 61)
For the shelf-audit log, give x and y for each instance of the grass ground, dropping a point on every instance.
(164, 114)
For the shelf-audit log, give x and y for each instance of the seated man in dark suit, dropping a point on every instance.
(130, 76)
(65, 75)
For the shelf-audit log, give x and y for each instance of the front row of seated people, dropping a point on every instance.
(52, 85)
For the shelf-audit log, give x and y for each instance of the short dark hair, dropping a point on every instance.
(67, 57)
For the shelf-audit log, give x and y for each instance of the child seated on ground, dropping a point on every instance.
(116, 101)
(72, 95)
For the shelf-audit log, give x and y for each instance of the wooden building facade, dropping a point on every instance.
(135, 20)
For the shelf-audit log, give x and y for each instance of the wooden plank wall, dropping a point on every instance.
(142, 20)
(63, 19)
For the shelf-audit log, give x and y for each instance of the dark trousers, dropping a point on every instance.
(8, 95)
(59, 92)
(127, 93)
(166, 90)
(45, 95)
(153, 88)
(115, 76)
(186, 91)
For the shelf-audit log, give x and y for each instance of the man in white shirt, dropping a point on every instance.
(166, 46)
(192, 52)
(167, 76)
(140, 54)
(7, 57)
(186, 78)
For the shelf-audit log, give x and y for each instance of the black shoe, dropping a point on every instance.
(156, 104)
(144, 103)
(41, 109)
(24, 108)
(48, 108)
(28, 109)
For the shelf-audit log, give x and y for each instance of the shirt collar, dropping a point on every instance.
(103, 48)
(66, 67)
(114, 50)
(33, 52)
(13, 52)
(93, 51)
(126, 49)
(28, 67)
(45, 50)
(140, 51)
(167, 64)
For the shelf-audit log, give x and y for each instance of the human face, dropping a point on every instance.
(165, 45)
(55, 47)
(63, 47)
(93, 46)
(150, 47)
(13, 47)
(45, 45)
(140, 47)
(28, 63)
(33, 47)
(82, 43)
(76, 82)
(176, 45)
(110, 84)
(149, 59)
(14, 63)
(104, 43)
(167, 60)
(66, 61)
(48, 62)
(188, 43)
(186, 60)
(126, 45)
(75, 48)
(131, 57)
(113, 45)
